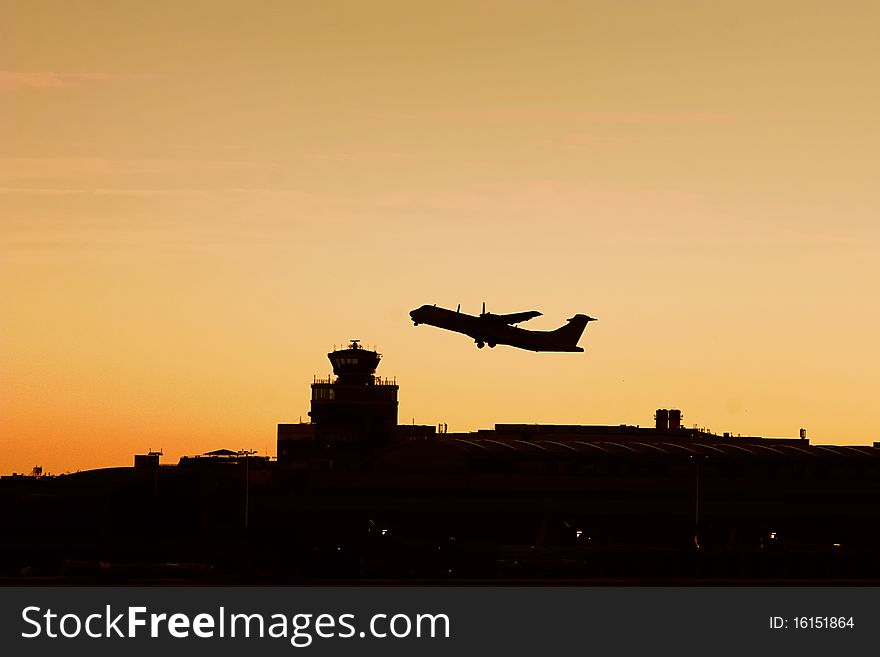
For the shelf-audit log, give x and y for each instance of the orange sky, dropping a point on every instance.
(198, 199)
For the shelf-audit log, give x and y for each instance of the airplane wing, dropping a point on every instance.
(513, 318)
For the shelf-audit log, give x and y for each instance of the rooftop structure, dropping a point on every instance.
(351, 415)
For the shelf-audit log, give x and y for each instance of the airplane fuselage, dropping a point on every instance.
(489, 330)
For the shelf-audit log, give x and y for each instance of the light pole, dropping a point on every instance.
(247, 489)
(697, 503)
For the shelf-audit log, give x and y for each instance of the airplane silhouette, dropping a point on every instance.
(491, 329)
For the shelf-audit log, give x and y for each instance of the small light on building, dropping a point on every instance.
(578, 533)
(383, 531)
(835, 545)
(773, 536)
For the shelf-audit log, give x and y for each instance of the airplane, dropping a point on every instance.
(491, 329)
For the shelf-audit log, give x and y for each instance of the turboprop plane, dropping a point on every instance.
(491, 329)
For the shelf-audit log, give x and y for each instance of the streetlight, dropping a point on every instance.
(246, 453)
(696, 460)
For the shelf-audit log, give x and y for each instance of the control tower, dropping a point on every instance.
(358, 407)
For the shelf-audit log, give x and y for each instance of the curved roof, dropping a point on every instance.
(722, 448)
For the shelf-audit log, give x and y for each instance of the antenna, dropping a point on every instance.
(484, 308)
(458, 310)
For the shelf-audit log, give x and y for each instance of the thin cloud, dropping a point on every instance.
(39, 191)
(97, 191)
(361, 157)
(518, 115)
(19, 169)
(47, 80)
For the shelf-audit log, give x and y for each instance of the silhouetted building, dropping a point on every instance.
(354, 494)
(148, 460)
(358, 406)
(667, 419)
(294, 439)
(351, 416)
(661, 419)
(674, 419)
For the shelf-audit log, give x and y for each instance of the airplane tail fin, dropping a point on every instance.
(569, 334)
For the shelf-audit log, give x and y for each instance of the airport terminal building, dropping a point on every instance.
(353, 495)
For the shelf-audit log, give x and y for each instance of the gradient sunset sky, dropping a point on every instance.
(199, 199)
